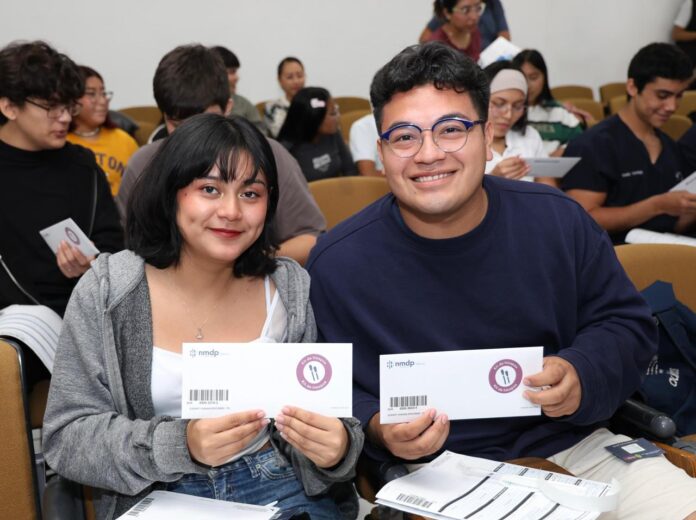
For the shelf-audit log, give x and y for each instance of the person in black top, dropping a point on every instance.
(44, 180)
(628, 165)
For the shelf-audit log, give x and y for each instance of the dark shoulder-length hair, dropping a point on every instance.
(492, 71)
(536, 60)
(305, 115)
(200, 143)
(86, 73)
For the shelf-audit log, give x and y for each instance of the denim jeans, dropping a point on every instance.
(257, 479)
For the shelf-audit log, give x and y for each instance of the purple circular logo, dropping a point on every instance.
(72, 236)
(314, 372)
(505, 376)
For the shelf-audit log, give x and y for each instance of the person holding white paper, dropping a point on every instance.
(200, 267)
(628, 164)
(513, 139)
(459, 260)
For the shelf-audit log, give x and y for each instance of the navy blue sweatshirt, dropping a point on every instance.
(536, 271)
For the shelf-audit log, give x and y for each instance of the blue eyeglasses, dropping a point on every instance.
(449, 134)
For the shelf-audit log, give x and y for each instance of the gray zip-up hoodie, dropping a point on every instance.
(100, 428)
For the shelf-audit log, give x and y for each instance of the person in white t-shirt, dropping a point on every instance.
(513, 139)
(363, 146)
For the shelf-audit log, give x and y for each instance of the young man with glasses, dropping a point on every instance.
(628, 165)
(454, 260)
(43, 180)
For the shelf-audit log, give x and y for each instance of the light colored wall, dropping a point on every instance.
(342, 43)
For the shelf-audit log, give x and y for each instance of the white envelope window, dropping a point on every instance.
(464, 384)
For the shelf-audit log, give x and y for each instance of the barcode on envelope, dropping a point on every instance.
(216, 394)
(414, 500)
(408, 401)
(141, 506)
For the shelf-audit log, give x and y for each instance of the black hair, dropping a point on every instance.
(437, 10)
(228, 57)
(305, 115)
(536, 60)
(35, 69)
(199, 144)
(285, 61)
(188, 80)
(659, 60)
(492, 71)
(89, 72)
(430, 63)
(448, 5)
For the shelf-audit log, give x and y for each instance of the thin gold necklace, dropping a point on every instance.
(199, 328)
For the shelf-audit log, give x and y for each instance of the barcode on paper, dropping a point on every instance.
(141, 506)
(414, 500)
(408, 401)
(209, 395)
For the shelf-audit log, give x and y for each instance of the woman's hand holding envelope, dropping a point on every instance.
(321, 439)
(560, 392)
(411, 440)
(215, 441)
(71, 262)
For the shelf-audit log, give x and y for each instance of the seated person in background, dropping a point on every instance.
(687, 145)
(291, 78)
(93, 129)
(363, 146)
(684, 31)
(241, 106)
(513, 139)
(628, 165)
(44, 180)
(491, 25)
(310, 133)
(460, 31)
(461, 260)
(554, 122)
(190, 80)
(183, 281)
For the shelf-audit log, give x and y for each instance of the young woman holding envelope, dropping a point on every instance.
(200, 267)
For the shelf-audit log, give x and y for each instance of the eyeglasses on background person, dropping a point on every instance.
(466, 9)
(449, 134)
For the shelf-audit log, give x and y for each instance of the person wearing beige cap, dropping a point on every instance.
(513, 139)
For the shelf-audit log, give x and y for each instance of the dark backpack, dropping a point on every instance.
(670, 384)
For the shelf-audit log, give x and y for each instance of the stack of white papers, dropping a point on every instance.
(643, 236)
(37, 326)
(457, 486)
(165, 505)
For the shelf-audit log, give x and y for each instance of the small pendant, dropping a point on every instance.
(199, 336)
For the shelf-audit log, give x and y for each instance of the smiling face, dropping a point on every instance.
(506, 107)
(218, 220)
(95, 106)
(440, 194)
(291, 79)
(658, 100)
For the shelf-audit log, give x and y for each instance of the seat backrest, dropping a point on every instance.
(563, 92)
(589, 105)
(350, 103)
(18, 482)
(612, 90)
(149, 114)
(617, 103)
(676, 264)
(687, 104)
(340, 197)
(261, 108)
(347, 120)
(676, 126)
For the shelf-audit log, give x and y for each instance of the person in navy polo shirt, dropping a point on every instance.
(628, 165)
(453, 259)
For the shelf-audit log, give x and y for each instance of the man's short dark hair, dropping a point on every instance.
(36, 70)
(431, 63)
(228, 57)
(199, 144)
(659, 60)
(189, 80)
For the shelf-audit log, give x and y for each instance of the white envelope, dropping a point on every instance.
(166, 505)
(70, 232)
(688, 184)
(550, 166)
(464, 384)
(222, 378)
(499, 49)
